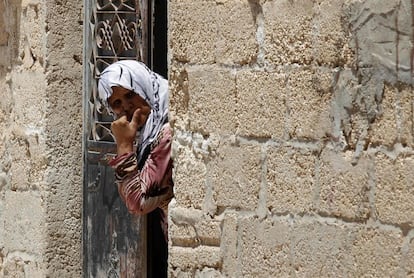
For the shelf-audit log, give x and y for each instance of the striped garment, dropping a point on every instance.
(151, 187)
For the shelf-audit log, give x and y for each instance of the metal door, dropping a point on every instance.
(114, 242)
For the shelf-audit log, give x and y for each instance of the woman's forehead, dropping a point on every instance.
(119, 92)
(119, 89)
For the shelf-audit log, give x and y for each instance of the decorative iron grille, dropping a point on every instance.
(114, 241)
(117, 30)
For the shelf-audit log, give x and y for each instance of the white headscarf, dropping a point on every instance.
(152, 87)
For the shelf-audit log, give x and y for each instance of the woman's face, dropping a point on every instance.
(124, 103)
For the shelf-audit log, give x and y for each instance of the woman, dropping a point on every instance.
(138, 100)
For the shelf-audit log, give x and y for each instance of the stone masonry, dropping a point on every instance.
(293, 138)
(294, 142)
(41, 138)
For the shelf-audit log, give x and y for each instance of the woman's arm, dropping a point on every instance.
(143, 191)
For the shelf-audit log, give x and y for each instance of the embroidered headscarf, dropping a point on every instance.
(152, 87)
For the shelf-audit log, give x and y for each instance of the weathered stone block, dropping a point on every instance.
(320, 249)
(263, 248)
(189, 227)
(331, 37)
(376, 253)
(178, 273)
(32, 46)
(209, 231)
(212, 100)
(19, 264)
(215, 40)
(193, 30)
(207, 273)
(24, 225)
(236, 40)
(187, 259)
(30, 111)
(261, 103)
(182, 235)
(13, 267)
(344, 188)
(288, 41)
(291, 181)
(309, 104)
(394, 192)
(229, 244)
(345, 250)
(179, 97)
(235, 174)
(19, 151)
(189, 170)
(29, 161)
(394, 121)
(384, 129)
(198, 273)
(33, 140)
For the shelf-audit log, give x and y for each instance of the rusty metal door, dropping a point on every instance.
(114, 242)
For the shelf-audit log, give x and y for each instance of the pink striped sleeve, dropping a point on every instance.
(143, 191)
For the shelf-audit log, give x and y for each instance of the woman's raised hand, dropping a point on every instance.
(125, 131)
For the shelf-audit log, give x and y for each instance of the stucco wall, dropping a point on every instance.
(293, 141)
(40, 145)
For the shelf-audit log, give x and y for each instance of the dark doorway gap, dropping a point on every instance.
(159, 48)
(157, 248)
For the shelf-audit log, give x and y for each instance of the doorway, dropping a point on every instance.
(116, 243)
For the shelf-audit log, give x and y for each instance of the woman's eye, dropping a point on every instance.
(116, 104)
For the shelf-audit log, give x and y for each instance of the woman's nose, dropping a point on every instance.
(126, 107)
(121, 111)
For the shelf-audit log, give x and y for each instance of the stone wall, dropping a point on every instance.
(293, 141)
(293, 148)
(40, 145)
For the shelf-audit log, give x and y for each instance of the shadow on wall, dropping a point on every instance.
(10, 12)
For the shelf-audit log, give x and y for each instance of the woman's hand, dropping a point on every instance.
(125, 131)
